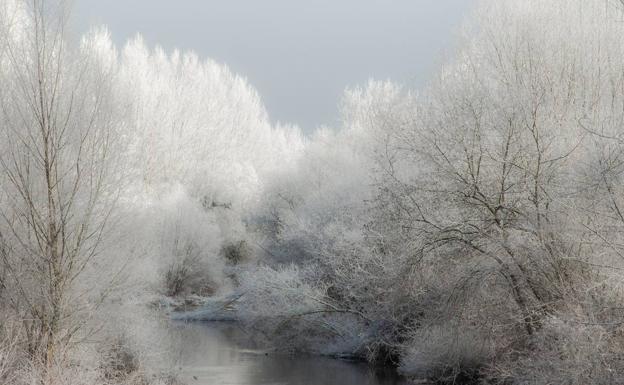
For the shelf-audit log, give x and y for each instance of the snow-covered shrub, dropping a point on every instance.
(288, 304)
(171, 243)
(446, 353)
(10, 352)
(567, 351)
(286, 291)
(236, 252)
(186, 276)
(119, 361)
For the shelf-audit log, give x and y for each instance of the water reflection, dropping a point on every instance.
(222, 354)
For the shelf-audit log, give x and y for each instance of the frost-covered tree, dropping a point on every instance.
(498, 142)
(196, 123)
(58, 138)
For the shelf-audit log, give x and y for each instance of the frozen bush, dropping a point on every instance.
(186, 274)
(567, 351)
(119, 361)
(10, 354)
(284, 292)
(446, 353)
(236, 252)
(133, 346)
(173, 241)
(286, 303)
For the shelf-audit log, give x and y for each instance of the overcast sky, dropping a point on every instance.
(299, 54)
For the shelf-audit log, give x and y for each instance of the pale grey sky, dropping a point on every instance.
(300, 55)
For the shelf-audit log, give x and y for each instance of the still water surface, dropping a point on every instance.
(224, 354)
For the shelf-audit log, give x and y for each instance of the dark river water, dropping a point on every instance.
(223, 354)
